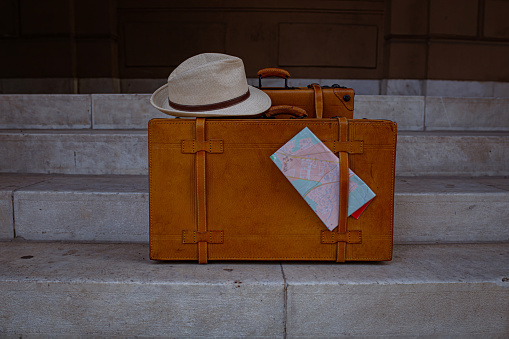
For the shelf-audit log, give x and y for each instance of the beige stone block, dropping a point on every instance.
(115, 208)
(452, 153)
(6, 215)
(467, 114)
(501, 89)
(403, 87)
(451, 209)
(125, 152)
(124, 111)
(449, 291)
(74, 152)
(8, 184)
(76, 208)
(39, 111)
(112, 290)
(407, 111)
(460, 89)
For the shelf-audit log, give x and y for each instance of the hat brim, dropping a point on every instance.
(257, 103)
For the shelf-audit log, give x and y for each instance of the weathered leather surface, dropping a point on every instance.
(252, 211)
(334, 102)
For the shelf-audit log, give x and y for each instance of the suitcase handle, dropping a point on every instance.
(272, 72)
(296, 112)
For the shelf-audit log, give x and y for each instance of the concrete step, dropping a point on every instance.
(125, 152)
(74, 151)
(133, 111)
(114, 290)
(453, 153)
(115, 208)
(404, 87)
(81, 111)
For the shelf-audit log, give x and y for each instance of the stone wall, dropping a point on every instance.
(78, 46)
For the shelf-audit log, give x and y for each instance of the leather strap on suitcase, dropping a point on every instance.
(343, 188)
(201, 196)
(317, 89)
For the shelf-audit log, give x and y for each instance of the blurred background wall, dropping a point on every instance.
(131, 46)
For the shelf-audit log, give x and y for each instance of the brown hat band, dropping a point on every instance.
(210, 107)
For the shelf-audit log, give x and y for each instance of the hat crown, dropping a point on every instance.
(206, 79)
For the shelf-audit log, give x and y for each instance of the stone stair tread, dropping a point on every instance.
(114, 131)
(455, 133)
(112, 184)
(144, 131)
(126, 152)
(115, 208)
(108, 262)
(427, 290)
(59, 288)
(139, 183)
(451, 185)
(133, 111)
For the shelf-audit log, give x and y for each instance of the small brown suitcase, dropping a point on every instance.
(317, 101)
(215, 194)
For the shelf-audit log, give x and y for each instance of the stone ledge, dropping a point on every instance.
(133, 111)
(407, 111)
(449, 88)
(467, 114)
(107, 290)
(452, 153)
(115, 208)
(426, 291)
(45, 111)
(119, 152)
(8, 185)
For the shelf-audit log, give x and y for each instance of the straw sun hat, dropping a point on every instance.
(210, 85)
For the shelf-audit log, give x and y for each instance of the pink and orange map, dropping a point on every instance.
(314, 172)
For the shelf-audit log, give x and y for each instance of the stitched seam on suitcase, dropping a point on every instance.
(149, 189)
(262, 146)
(270, 258)
(317, 122)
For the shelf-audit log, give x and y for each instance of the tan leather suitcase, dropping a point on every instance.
(317, 101)
(215, 194)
